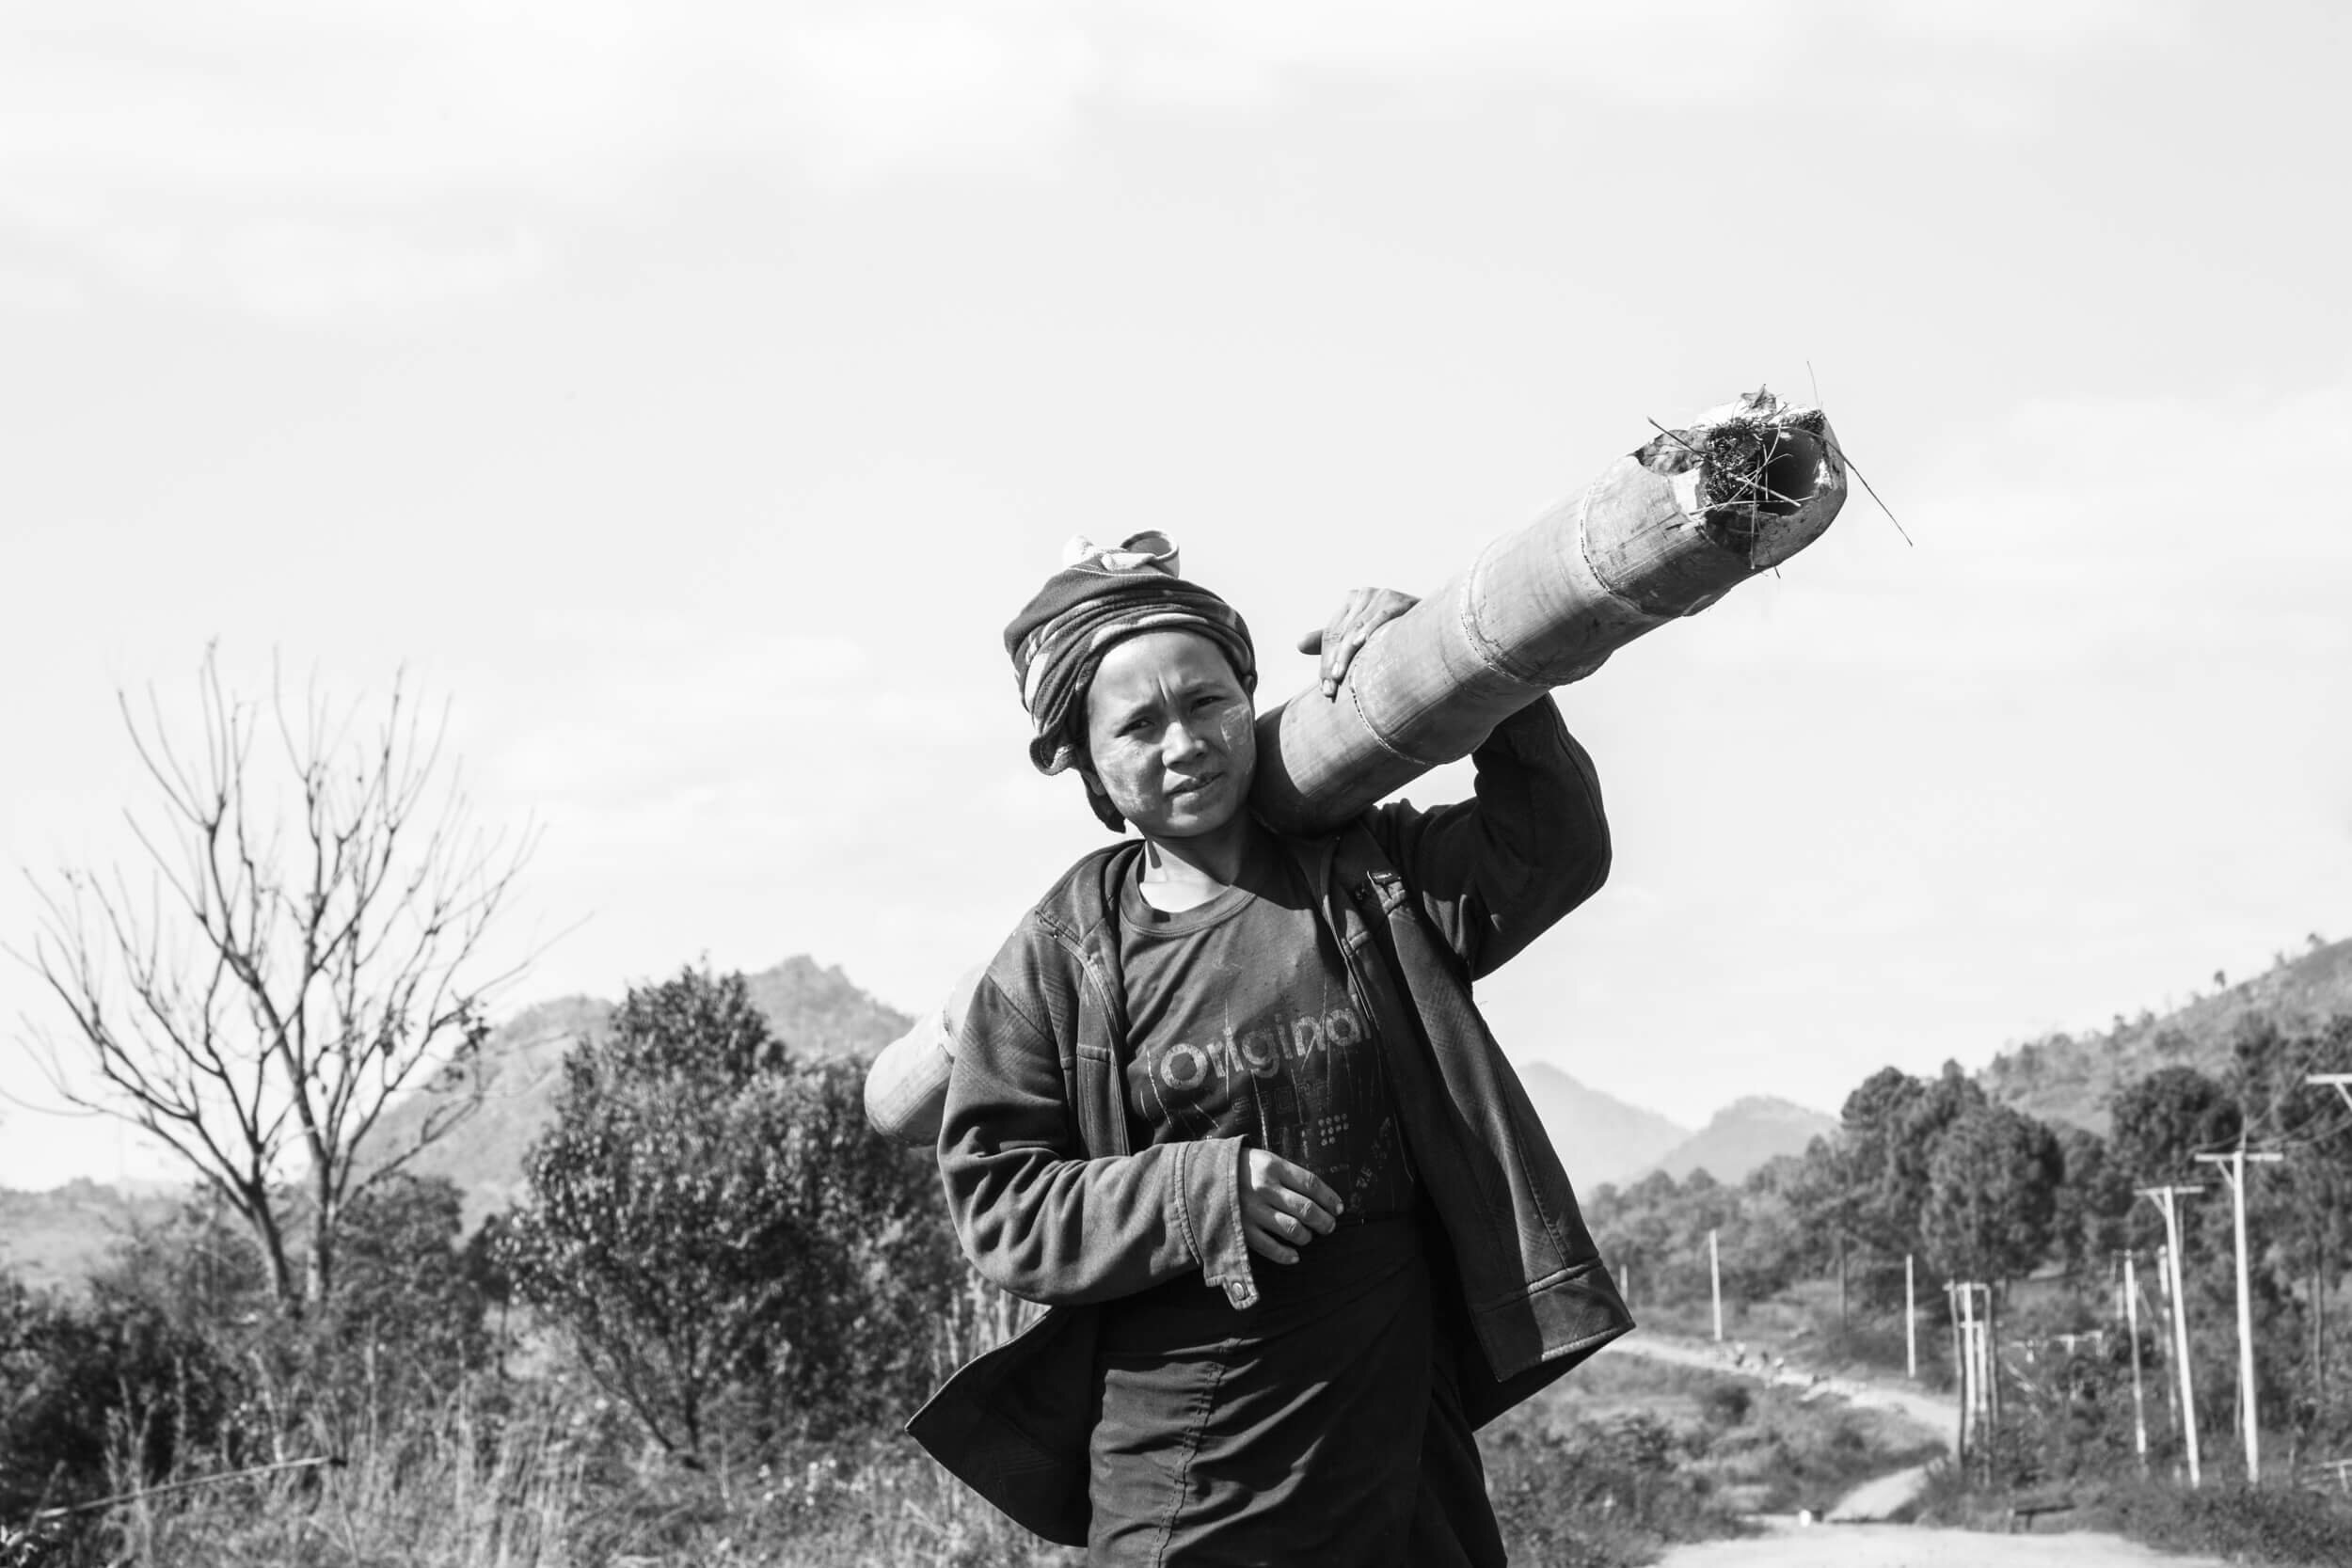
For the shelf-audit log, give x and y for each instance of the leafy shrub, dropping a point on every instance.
(96, 1387)
(732, 1249)
(2245, 1524)
(1598, 1495)
(1725, 1404)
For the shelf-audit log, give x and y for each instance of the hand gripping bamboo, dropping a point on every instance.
(1663, 532)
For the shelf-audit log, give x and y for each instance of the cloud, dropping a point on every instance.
(38, 293)
(335, 155)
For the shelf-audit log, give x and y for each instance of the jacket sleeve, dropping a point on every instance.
(1494, 872)
(1036, 1216)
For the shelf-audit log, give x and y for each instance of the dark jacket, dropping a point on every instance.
(1053, 1202)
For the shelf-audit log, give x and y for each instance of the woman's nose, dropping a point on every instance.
(1184, 741)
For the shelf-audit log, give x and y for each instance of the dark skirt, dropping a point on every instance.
(1291, 1431)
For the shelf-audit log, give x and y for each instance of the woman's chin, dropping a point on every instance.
(1200, 814)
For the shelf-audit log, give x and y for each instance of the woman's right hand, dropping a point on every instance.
(1283, 1206)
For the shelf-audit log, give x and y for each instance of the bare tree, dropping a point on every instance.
(299, 944)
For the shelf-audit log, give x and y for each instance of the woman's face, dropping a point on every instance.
(1172, 735)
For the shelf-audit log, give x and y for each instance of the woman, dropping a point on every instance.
(1223, 1100)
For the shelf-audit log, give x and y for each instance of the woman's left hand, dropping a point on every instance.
(1364, 611)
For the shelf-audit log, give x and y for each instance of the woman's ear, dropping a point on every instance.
(1099, 798)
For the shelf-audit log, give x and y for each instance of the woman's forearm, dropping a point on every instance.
(1043, 1218)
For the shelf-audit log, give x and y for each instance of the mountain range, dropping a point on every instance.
(819, 1010)
(1604, 1139)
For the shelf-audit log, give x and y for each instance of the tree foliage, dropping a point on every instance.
(2093, 1202)
(2161, 1122)
(729, 1245)
(1993, 1182)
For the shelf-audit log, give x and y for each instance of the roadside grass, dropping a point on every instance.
(1613, 1491)
(546, 1492)
(1590, 1481)
(527, 1496)
(1618, 1462)
(1803, 1324)
(2065, 1446)
(2281, 1526)
(1759, 1449)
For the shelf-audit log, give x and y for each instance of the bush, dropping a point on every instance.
(106, 1391)
(1725, 1404)
(1599, 1495)
(2244, 1524)
(732, 1251)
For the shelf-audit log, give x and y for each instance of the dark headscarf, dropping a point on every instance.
(1102, 596)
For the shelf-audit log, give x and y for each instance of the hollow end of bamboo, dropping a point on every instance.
(1661, 533)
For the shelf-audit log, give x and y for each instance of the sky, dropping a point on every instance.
(688, 393)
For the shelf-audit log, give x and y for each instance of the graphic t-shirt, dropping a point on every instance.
(1243, 1024)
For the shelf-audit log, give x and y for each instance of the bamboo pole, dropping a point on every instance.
(1663, 532)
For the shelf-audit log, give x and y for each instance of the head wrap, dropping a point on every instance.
(1102, 596)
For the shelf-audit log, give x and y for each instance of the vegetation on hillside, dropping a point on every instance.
(1936, 1173)
(2075, 1078)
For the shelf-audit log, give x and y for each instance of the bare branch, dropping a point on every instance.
(305, 951)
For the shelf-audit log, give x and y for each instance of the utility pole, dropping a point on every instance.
(2234, 1167)
(1911, 1324)
(2172, 1384)
(1715, 1273)
(1841, 1283)
(2131, 1319)
(2163, 1198)
(1978, 1410)
(1992, 1362)
(1960, 1369)
(2342, 1084)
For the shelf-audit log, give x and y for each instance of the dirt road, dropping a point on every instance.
(1789, 1545)
(1904, 1546)
(1932, 1412)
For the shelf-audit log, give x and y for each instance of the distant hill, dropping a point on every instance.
(1744, 1135)
(53, 1239)
(817, 1011)
(2074, 1077)
(1601, 1138)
